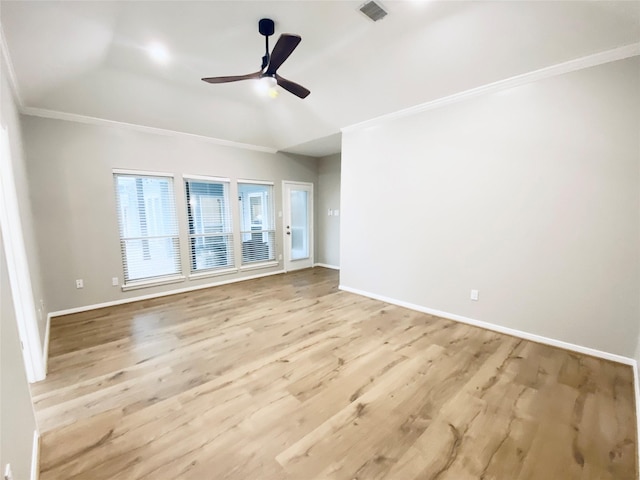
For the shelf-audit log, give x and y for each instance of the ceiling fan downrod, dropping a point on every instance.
(266, 27)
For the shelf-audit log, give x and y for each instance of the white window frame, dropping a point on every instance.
(271, 230)
(148, 281)
(214, 271)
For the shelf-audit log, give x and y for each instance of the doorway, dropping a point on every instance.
(297, 225)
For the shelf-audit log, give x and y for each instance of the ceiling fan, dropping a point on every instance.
(285, 45)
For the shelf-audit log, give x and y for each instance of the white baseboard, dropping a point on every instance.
(326, 265)
(498, 328)
(35, 456)
(96, 306)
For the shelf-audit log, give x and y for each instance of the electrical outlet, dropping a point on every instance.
(79, 283)
(336, 212)
(115, 281)
(330, 212)
(474, 295)
(8, 474)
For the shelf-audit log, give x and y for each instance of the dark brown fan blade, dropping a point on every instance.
(292, 87)
(286, 44)
(233, 78)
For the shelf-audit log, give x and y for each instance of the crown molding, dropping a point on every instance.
(13, 82)
(600, 58)
(74, 117)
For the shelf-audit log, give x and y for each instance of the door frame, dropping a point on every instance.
(286, 263)
(18, 266)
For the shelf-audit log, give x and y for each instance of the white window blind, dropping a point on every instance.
(257, 222)
(210, 227)
(149, 238)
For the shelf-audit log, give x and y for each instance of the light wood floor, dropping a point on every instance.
(286, 377)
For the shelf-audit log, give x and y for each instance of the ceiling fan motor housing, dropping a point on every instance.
(266, 27)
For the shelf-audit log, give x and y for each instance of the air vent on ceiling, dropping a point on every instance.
(373, 10)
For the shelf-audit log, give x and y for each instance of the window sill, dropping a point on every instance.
(152, 283)
(256, 266)
(212, 273)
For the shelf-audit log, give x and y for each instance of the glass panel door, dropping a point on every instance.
(298, 225)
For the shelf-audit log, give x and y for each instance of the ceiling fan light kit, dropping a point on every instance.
(271, 62)
(267, 87)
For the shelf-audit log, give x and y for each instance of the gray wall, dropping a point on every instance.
(530, 195)
(70, 171)
(17, 421)
(328, 197)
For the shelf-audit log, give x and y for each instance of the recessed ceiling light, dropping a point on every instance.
(158, 52)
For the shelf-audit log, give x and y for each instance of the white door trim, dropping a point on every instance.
(18, 266)
(285, 218)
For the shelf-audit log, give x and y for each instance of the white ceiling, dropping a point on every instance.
(90, 59)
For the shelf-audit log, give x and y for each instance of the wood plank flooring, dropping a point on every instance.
(286, 377)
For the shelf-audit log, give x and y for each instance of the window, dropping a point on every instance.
(257, 224)
(148, 228)
(210, 230)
